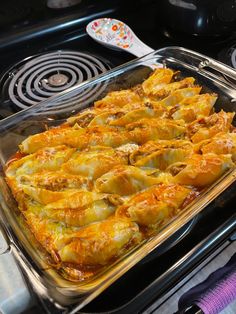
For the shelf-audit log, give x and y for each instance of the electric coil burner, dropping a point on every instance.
(37, 78)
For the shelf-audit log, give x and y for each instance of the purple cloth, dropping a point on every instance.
(215, 293)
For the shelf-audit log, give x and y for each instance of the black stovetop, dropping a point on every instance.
(40, 30)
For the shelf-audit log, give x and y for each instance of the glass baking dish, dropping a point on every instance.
(48, 283)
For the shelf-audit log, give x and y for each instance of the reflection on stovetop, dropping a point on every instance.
(18, 13)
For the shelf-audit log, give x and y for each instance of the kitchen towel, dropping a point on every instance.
(215, 293)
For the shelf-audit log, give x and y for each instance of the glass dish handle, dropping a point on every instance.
(4, 241)
(219, 67)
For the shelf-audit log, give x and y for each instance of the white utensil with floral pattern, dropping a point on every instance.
(117, 35)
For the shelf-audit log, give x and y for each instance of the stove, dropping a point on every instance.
(39, 77)
(44, 50)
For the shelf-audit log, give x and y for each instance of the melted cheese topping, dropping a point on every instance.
(93, 188)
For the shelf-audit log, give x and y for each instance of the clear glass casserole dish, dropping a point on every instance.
(48, 282)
